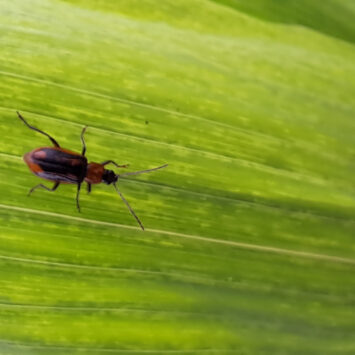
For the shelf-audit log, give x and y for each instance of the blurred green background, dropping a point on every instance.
(249, 247)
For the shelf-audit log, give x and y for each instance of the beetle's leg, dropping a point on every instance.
(83, 141)
(115, 164)
(77, 197)
(89, 188)
(44, 187)
(38, 130)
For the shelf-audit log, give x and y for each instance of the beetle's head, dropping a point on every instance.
(109, 177)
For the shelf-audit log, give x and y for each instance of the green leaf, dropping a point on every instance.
(249, 242)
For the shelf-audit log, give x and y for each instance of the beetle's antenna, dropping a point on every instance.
(124, 200)
(143, 171)
(128, 206)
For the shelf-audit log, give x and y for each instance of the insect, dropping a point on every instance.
(66, 167)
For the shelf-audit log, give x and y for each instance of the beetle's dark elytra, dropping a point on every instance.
(58, 165)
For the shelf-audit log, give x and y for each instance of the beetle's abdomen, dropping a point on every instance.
(57, 164)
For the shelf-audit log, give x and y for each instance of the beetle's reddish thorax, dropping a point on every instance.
(94, 173)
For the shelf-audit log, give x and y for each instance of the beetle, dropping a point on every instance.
(64, 166)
